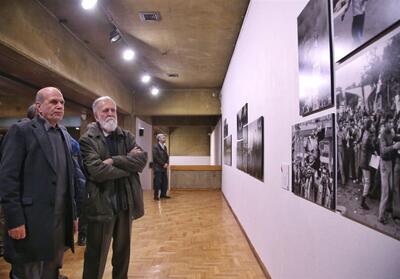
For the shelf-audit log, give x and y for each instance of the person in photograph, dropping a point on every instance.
(160, 167)
(367, 149)
(37, 190)
(387, 151)
(112, 161)
(358, 8)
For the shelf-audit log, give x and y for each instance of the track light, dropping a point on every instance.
(88, 4)
(115, 36)
(146, 78)
(128, 54)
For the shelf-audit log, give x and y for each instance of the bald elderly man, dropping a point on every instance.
(37, 174)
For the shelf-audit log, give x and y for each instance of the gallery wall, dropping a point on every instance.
(215, 145)
(145, 142)
(293, 237)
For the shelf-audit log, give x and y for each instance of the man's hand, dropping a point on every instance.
(108, 161)
(165, 166)
(134, 151)
(18, 232)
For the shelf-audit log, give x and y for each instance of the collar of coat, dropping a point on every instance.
(94, 130)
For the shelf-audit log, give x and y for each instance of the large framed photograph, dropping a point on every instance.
(239, 155)
(368, 137)
(225, 128)
(228, 151)
(255, 148)
(241, 121)
(315, 87)
(313, 161)
(358, 21)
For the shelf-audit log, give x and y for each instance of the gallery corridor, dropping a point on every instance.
(193, 235)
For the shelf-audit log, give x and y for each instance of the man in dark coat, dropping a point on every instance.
(114, 195)
(160, 167)
(37, 190)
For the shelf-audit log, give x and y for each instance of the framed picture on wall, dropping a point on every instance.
(313, 161)
(239, 154)
(255, 148)
(225, 128)
(315, 86)
(358, 21)
(228, 151)
(241, 121)
(368, 117)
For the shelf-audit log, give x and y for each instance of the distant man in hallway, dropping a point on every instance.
(160, 167)
(37, 190)
(112, 160)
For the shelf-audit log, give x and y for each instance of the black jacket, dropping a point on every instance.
(28, 177)
(160, 158)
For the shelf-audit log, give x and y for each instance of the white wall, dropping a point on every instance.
(145, 142)
(215, 144)
(293, 237)
(189, 160)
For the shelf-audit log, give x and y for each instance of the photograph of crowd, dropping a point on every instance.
(239, 155)
(241, 151)
(255, 148)
(313, 161)
(225, 128)
(358, 21)
(228, 151)
(368, 117)
(315, 88)
(241, 120)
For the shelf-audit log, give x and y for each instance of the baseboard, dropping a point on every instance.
(263, 267)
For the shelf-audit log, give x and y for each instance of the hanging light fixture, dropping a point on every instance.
(146, 78)
(88, 4)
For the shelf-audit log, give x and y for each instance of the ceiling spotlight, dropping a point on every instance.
(155, 91)
(88, 4)
(128, 54)
(146, 78)
(115, 36)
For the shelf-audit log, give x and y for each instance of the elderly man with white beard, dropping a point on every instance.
(112, 160)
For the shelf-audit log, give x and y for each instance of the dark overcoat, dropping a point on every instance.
(101, 189)
(160, 158)
(28, 188)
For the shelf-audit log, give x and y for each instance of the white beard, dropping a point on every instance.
(109, 125)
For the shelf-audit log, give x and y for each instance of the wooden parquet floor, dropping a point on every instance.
(191, 236)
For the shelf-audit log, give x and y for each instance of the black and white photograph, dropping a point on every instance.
(315, 88)
(225, 128)
(241, 121)
(245, 148)
(313, 161)
(228, 151)
(358, 21)
(255, 148)
(368, 137)
(239, 155)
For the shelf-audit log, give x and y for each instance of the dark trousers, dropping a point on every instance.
(160, 183)
(98, 241)
(45, 269)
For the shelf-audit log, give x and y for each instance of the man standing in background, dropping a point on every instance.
(160, 167)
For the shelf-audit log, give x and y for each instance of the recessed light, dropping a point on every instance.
(146, 78)
(128, 54)
(155, 91)
(88, 4)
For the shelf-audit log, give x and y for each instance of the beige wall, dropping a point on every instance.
(189, 141)
(179, 102)
(27, 29)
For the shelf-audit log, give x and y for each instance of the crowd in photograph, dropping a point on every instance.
(368, 143)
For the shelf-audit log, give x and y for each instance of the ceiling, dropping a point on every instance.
(195, 39)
